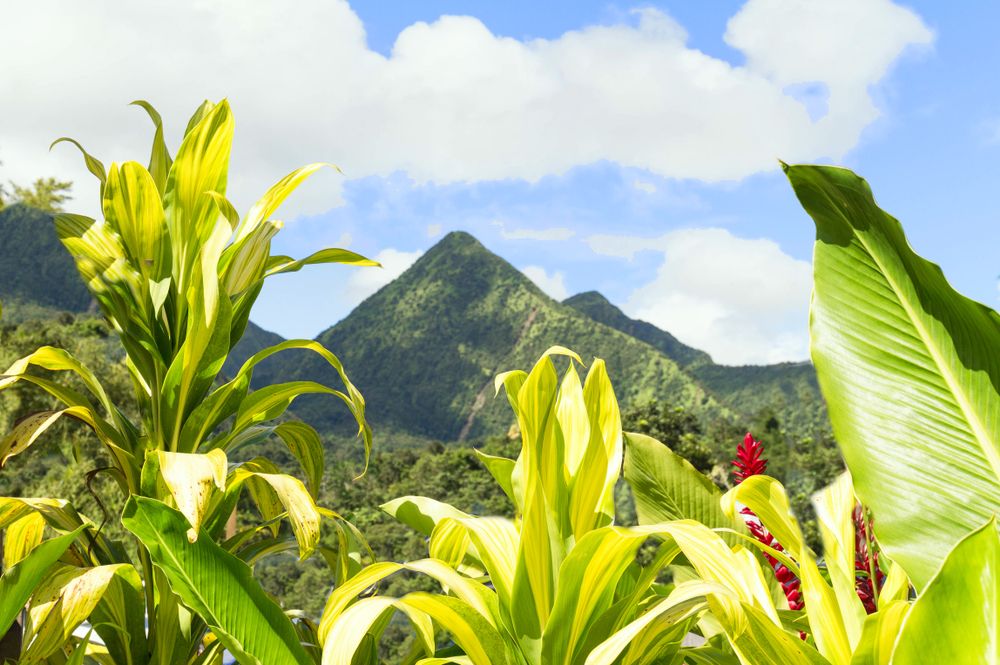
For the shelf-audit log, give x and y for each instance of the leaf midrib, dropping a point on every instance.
(977, 427)
(164, 547)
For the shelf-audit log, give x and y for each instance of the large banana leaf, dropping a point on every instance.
(216, 585)
(910, 370)
(957, 617)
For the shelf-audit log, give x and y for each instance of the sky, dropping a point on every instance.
(630, 148)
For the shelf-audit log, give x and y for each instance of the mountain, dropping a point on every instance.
(789, 391)
(599, 308)
(425, 348)
(35, 269)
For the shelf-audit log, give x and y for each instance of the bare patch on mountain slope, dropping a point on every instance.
(480, 401)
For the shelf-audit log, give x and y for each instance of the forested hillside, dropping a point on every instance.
(424, 350)
(35, 270)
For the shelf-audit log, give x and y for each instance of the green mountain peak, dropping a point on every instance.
(425, 348)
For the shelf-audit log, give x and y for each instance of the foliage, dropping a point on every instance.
(911, 372)
(675, 427)
(559, 583)
(175, 271)
(46, 194)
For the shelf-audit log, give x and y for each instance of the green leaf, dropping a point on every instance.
(159, 157)
(666, 487)
(119, 618)
(420, 513)
(879, 634)
(279, 264)
(64, 600)
(191, 479)
(20, 580)
(910, 371)
(588, 579)
(216, 585)
(25, 432)
(957, 617)
(275, 196)
(94, 165)
(273, 491)
(305, 445)
(502, 469)
(132, 207)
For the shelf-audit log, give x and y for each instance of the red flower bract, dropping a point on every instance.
(866, 561)
(748, 460)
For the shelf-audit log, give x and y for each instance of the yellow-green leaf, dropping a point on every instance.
(60, 604)
(21, 537)
(956, 619)
(191, 480)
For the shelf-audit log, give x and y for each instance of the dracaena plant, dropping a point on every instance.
(175, 271)
(560, 583)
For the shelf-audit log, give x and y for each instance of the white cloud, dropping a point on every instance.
(553, 284)
(452, 103)
(433, 230)
(553, 233)
(363, 283)
(742, 300)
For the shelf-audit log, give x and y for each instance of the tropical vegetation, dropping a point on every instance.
(575, 539)
(175, 271)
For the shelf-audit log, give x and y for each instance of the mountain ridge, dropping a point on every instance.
(468, 315)
(424, 348)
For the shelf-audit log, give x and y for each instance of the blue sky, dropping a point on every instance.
(656, 185)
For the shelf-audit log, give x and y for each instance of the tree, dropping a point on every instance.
(676, 427)
(46, 194)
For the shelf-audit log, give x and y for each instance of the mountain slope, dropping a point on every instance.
(254, 339)
(599, 308)
(788, 390)
(425, 348)
(35, 269)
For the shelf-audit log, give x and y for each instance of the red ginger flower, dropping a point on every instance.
(866, 562)
(750, 462)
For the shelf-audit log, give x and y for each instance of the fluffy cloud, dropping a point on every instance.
(364, 283)
(742, 300)
(453, 102)
(553, 284)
